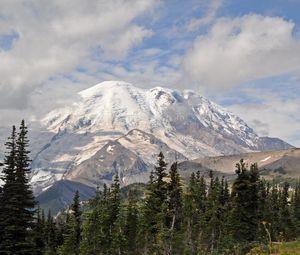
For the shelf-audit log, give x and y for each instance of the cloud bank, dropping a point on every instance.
(243, 49)
(41, 39)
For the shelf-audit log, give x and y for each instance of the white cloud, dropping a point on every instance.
(214, 6)
(243, 49)
(57, 36)
(275, 116)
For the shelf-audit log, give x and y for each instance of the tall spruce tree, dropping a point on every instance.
(39, 233)
(153, 209)
(131, 227)
(72, 237)
(50, 235)
(8, 203)
(296, 207)
(17, 197)
(174, 213)
(244, 217)
(287, 227)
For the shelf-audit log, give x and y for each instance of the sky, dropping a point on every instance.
(242, 54)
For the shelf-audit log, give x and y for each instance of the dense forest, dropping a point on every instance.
(167, 216)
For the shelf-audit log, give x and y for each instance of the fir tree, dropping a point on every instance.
(8, 203)
(131, 227)
(39, 233)
(245, 203)
(17, 197)
(174, 213)
(50, 235)
(296, 207)
(72, 237)
(154, 205)
(286, 225)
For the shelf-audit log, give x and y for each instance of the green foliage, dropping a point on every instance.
(166, 218)
(72, 236)
(244, 218)
(17, 201)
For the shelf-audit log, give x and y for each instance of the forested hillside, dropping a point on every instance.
(204, 216)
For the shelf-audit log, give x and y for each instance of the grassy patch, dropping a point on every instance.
(289, 248)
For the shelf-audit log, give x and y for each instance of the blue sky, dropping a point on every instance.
(242, 54)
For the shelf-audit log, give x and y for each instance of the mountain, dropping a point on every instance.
(282, 163)
(60, 195)
(129, 157)
(117, 128)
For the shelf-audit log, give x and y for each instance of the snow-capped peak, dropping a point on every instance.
(115, 114)
(97, 89)
(118, 105)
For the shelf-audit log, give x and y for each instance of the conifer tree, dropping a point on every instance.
(296, 207)
(131, 227)
(50, 235)
(172, 212)
(94, 228)
(8, 204)
(285, 220)
(154, 206)
(244, 220)
(17, 197)
(77, 217)
(119, 239)
(39, 233)
(72, 237)
(193, 209)
(213, 216)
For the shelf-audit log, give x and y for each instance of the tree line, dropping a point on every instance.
(202, 216)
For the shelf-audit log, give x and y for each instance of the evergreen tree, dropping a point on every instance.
(77, 217)
(94, 229)
(286, 224)
(296, 207)
(8, 203)
(51, 241)
(17, 197)
(39, 233)
(119, 239)
(244, 217)
(72, 237)
(193, 210)
(173, 217)
(153, 209)
(131, 227)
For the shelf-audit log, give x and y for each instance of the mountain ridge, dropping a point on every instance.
(183, 124)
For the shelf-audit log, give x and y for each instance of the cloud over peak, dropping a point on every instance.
(242, 49)
(54, 37)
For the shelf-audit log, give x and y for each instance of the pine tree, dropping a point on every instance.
(72, 237)
(244, 219)
(272, 204)
(116, 218)
(8, 203)
(154, 205)
(296, 207)
(94, 231)
(119, 239)
(23, 191)
(50, 235)
(286, 225)
(174, 212)
(77, 217)
(39, 233)
(193, 209)
(17, 197)
(213, 216)
(131, 227)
